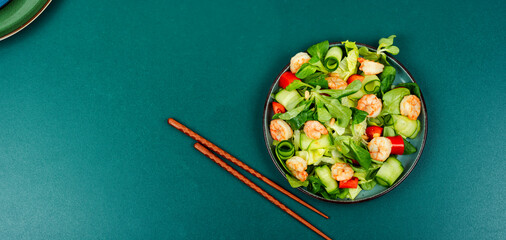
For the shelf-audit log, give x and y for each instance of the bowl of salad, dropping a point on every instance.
(345, 122)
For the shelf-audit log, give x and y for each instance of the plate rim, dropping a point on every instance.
(347, 201)
(37, 14)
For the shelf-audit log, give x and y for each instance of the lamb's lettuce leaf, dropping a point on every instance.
(315, 184)
(303, 117)
(317, 79)
(368, 185)
(319, 50)
(323, 114)
(413, 88)
(408, 147)
(342, 144)
(392, 101)
(296, 85)
(292, 113)
(341, 113)
(365, 53)
(306, 70)
(386, 45)
(358, 116)
(362, 156)
(387, 78)
(340, 93)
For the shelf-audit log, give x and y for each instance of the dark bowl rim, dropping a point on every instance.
(281, 171)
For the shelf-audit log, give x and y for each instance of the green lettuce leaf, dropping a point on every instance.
(303, 117)
(296, 85)
(386, 42)
(305, 70)
(340, 93)
(315, 184)
(408, 147)
(292, 113)
(387, 78)
(413, 88)
(319, 50)
(358, 116)
(295, 183)
(366, 54)
(317, 79)
(392, 101)
(362, 156)
(341, 113)
(368, 185)
(348, 65)
(323, 114)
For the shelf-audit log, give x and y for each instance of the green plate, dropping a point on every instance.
(17, 14)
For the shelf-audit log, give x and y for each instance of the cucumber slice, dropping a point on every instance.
(315, 156)
(405, 126)
(357, 95)
(323, 142)
(289, 99)
(328, 160)
(325, 176)
(296, 139)
(389, 172)
(418, 127)
(388, 120)
(305, 141)
(354, 192)
(388, 131)
(333, 57)
(285, 150)
(381, 182)
(371, 84)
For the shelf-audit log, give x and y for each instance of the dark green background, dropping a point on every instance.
(85, 91)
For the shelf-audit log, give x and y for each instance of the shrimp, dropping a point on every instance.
(380, 148)
(298, 60)
(410, 107)
(369, 67)
(336, 83)
(302, 176)
(371, 104)
(334, 74)
(342, 171)
(280, 130)
(314, 129)
(297, 166)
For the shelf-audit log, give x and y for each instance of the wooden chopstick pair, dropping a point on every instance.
(201, 145)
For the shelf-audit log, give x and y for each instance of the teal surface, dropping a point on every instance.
(85, 91)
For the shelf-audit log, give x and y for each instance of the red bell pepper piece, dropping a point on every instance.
(355, 162)
(352, 183)
(287, 78)
(355, 77)
(278, 108)
(397, 145)
(373, 131)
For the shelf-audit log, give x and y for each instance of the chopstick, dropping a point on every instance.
(237, 162)
(255, 187)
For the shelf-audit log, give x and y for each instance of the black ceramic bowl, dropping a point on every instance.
(408, 161)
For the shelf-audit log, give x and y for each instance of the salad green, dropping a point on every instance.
(341, 121)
